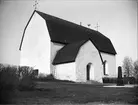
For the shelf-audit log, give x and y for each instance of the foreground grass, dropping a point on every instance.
(53, 92)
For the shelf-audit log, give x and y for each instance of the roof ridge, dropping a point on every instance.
(72, 23)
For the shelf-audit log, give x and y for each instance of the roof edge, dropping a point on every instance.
(101, 50)
(59, 42)
(81, 46)
(107, 52)
(25, 30)
(63, 62)
(101, 57)
(70, 22)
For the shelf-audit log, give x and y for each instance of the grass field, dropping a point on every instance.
(59, 92)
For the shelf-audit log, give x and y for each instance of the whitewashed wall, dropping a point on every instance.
(35, 50)
(66, 71)
(111, 61)
(88, 54)
(54, 48)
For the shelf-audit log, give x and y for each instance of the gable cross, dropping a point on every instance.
(35, 5)
(89, 25)
(97, 26)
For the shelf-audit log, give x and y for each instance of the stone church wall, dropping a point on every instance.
(54, 48)
(88, 54)
(35, 51)
(65, 71)
(111, 61)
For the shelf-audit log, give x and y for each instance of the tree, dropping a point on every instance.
(128, 66)
(136, 69)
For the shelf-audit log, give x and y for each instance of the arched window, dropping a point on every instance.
(106, 72)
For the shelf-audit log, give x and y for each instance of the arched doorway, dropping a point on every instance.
(89, 71)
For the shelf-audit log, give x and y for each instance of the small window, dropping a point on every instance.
(106, 68)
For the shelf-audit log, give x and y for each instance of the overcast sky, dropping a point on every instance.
(117, 20)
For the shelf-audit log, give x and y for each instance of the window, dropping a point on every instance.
(106, 68)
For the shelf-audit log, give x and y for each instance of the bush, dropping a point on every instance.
(50, 77)
(26, 78)
(109, 80)
(130, 80)
(13, 78)
(8, 82)
(135, 71)
(43, 77)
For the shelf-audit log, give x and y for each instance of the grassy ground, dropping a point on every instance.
(59, 92)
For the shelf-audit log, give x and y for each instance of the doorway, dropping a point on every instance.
(89, 72)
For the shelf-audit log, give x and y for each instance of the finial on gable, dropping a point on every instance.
(80, 23)
(89, 25)
(36, 4)
(97, 26)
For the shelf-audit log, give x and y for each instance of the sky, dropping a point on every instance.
(117, 20)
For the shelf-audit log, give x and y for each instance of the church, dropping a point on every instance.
(66, 50)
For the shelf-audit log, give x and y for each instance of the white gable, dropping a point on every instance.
(35, 51)
(88, 54)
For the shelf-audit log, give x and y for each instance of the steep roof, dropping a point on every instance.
(68, 53)
(63, 31)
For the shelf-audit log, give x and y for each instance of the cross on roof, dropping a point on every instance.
(35, 5)
(89, 25)
(97, 26)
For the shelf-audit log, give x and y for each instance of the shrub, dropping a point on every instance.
(44, 77)
(109, 80)
(50, 77)
(13, 78)
(8, 82)
(26, 78)
(135, 72)
(130, 80)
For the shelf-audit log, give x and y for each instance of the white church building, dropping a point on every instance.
(66, 50)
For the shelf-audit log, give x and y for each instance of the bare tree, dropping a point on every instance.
(128, 66)
(136, 69)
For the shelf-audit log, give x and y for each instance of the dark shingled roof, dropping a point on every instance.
(73, 36)
(63, 31)
(68, 53)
